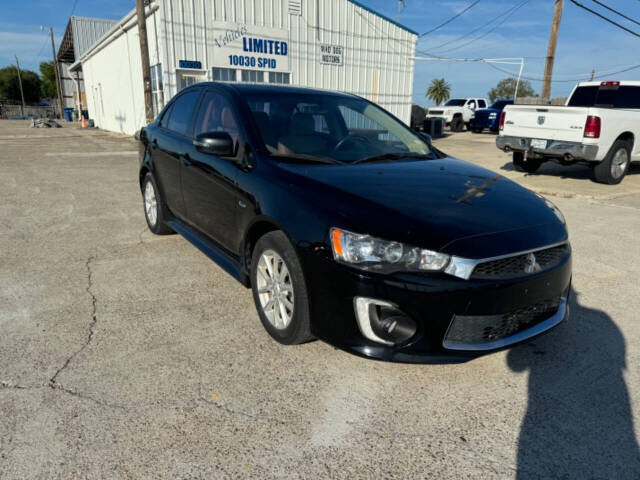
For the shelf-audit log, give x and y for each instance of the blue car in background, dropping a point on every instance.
(488, 117)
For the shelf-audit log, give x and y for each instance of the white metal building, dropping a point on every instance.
(330, 44)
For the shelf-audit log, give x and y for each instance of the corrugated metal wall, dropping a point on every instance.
(377, 54)
(377, 60)
(86, 31)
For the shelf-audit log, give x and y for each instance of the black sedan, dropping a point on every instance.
(350, 227)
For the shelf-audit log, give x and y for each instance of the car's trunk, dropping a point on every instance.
(547, 122)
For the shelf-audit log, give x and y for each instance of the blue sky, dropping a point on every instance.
(585, 41)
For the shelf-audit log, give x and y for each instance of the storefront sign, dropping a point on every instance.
(331, 54)
(250, 47)
(190, 64)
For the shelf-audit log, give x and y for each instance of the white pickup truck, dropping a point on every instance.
(457, 112)
(599, 126)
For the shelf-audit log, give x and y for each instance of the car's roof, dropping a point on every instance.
(631, 83)
(248, 88)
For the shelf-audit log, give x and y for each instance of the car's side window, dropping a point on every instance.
(165, 117)
(182, 112)
(217, 115)
(482, 104)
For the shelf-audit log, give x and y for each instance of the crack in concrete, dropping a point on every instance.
(92, 324)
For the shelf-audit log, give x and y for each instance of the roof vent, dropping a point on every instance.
(295, 7)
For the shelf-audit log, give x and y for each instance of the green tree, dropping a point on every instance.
(507, 87)
(439, 91)
(48, 88)
(10, 86)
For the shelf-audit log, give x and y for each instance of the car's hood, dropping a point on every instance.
(445, 204)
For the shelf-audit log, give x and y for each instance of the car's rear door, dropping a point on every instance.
(168, 146)
(208, 181)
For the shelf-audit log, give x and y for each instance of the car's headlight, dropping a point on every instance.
(493, 115)
(553, 208)
(376, 255)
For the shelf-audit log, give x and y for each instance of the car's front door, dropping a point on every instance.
(170, 142)
(208, 181)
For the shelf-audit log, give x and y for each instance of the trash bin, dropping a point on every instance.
(68, 114)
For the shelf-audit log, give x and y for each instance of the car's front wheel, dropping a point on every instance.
(279, 289)
(154, 211)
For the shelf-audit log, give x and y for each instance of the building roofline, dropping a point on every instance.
(384, 17)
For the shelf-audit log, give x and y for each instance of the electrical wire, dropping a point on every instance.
(469, 7)
(573, 80)
(480, 27)
(605, 18)
(616, 12)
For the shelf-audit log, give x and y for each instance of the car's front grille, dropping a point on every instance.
(472, 330)
(521, 265)
(436, 112)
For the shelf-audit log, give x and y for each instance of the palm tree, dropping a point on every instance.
(439, 91)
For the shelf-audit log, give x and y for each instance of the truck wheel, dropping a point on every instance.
(457, 124)
(614, 166)
(528, 165)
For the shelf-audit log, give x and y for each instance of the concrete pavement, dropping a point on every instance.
(126, 355)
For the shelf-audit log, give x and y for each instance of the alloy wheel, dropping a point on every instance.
(150, 204)
(275, 289)
(619, 163)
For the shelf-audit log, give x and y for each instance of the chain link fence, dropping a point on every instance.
(9, 109)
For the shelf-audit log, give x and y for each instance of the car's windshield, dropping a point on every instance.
(331, 127)
(456, 102)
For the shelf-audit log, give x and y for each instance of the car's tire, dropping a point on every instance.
(615, 165)
(155, 212)
(457, 124)
(280, 290)
(528, 165)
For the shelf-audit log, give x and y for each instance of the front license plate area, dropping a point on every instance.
(538, 143)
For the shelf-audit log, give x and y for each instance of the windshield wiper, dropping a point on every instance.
(306, 158)
(394, 156)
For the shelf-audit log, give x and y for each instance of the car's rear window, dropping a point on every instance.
(625, 96)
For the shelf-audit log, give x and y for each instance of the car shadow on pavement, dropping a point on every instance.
(577, 172)
(578, 422)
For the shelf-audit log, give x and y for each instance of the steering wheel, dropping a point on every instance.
(351, 138)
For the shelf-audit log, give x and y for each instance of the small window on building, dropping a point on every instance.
(157, 91)
(224, 74)
(252, 76)
(279, 77)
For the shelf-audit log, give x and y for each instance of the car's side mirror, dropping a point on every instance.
(427, 137)
(215, 143)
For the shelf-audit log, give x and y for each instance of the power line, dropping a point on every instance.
(469, 7)
(616, 12)
(605, 18)
(509, 14)
(480, 27)
(574, 80)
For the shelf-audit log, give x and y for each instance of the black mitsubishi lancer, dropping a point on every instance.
(350, 227)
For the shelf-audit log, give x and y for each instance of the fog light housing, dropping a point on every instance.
(383, 322)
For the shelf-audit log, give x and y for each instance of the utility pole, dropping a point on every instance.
(55, 66)
(593, 74)
(20, 82)
(551, 50)
(144, 56)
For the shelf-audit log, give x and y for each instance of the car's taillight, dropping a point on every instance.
(592, 127)
(502, 115)
(609, 84)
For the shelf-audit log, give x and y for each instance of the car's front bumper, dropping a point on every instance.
(490, 123)
(554, 148)
(433, 301)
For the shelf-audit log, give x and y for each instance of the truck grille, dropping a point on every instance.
(520, 265)
(436, 112)
(472, 330)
